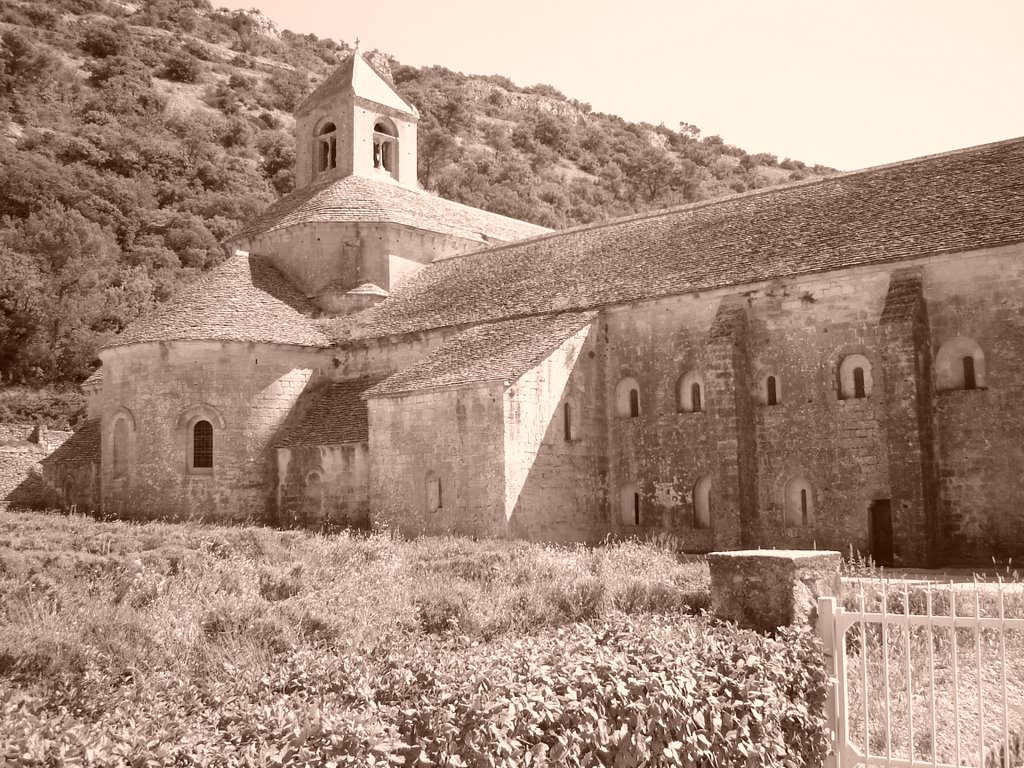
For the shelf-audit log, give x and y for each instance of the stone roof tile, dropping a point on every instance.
(83, 445)
(500, 351)
(245, 299)
(959, 201)
(336, 415)
(359, 199)
(358, 76)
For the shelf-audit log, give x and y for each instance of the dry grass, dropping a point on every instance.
(929, 717)
(149, 631)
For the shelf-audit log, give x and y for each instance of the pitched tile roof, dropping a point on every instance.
(83, 445)
(95, 378)
(958, 201)
(337, 414)
(244, 299)
(500, 351)
(360, 199)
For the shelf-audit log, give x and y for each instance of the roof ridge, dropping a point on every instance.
(700, 204)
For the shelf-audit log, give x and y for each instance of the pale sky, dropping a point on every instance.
(846, 84)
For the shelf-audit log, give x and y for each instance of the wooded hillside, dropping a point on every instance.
(136, 137)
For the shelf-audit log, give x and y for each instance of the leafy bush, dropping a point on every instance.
(628, 693)
(103, 40)
(183, 67)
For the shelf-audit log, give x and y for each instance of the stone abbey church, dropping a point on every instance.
(830, 363)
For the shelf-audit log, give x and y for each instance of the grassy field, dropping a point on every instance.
(163, 644)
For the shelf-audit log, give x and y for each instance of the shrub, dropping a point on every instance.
(183, 67)
(101, 40)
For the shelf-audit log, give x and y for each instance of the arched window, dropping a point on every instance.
(690, 393)
(627, 399)
(202, 445)
(197, 423)
(855, 380)
(327, 148)
(799, 503)
(959, 364)
(769, 388)
(119, 447)
(702, 503)
(629, 504)
(385, 146)
(435, 501)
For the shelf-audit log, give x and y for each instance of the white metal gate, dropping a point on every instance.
(926, 674)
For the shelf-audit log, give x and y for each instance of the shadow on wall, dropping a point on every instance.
(29, 493)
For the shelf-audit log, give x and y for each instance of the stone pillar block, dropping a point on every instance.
(764, 589)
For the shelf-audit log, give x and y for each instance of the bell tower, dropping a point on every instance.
(355, 124)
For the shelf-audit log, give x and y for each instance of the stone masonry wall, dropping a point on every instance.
(948, 463)
(554, 487)
(324, 486)
(663, 451)
(980, 453)
(801, 332)
(315, 255)
(456, 434)
(252, 387)
(22, 447)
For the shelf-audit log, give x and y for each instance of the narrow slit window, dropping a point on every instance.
(636, 508)
(634, 403)
(969, 381)
(695, 397)
(434, 499)
(567, 421)
(202, 445)
(803, 506)
(773, 393)
(858, 383)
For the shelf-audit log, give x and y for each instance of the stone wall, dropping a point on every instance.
(318, 254)
(555, 487)
(943, 462)
(453, 435)
(980, 453)
(323, 486)
(22, 447)
(245, 390)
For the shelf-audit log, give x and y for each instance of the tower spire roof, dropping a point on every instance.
(356, 76)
